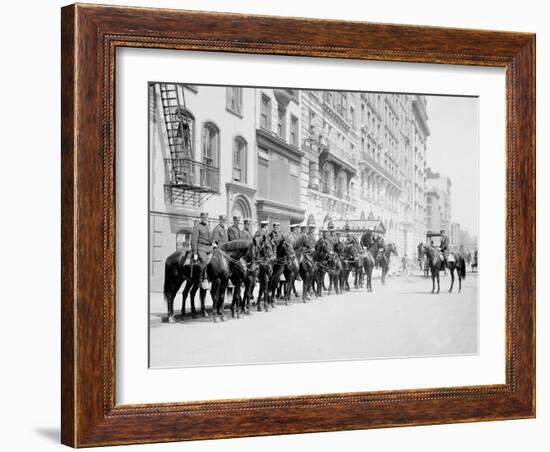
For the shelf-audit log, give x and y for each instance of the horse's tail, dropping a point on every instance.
(463, 269)
(167, 274)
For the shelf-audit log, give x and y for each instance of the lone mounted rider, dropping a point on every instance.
(234, 232)
(201, 243)
(444, 245)
(219, 234)
(245, 233)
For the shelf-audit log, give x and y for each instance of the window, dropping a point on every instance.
(281, 122)
(239, 160)
(294, 130)
(265, 113)
(210, 145)
(235, 100)
(263, 173)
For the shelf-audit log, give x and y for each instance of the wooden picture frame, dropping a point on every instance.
(90, 36)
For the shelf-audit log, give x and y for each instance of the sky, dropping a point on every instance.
(453, 151)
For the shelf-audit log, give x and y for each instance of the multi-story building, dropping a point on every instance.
(329, 168)
(436, 183)
(202, 156)
(455, 234)
(365, 158)
(279, 156)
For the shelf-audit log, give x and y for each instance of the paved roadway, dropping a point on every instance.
(397, 320)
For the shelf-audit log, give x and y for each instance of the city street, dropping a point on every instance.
(401, 319)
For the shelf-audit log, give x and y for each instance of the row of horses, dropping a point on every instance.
(275, 265)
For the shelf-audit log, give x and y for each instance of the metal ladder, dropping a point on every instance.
(178, 131)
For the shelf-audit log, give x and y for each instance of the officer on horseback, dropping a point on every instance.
(444, 245)
(331, 237)
(262, 232)
(234, 232)
(274, 234)
(245, 233)
(293, 235)
(219, 234)
(201, 243)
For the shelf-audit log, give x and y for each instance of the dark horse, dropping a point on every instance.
(285, 264)
(456, 261)
(336, 272)
(177, 269)
(321, 256)
(304, 256)
(372, 246)
(224, 258)
(435, 263)
(241, 271)
(265, 270)
(353, 260)
(384, 259)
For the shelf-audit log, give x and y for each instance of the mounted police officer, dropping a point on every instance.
(331, 237)
(275, 235)
(201, 243)
(262, 232)
(310, 237)
(219, 234)
(444, 245)
(234, 232)
(350, 239)
(245, 233)
(294, 235)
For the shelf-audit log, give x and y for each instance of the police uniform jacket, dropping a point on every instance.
(233, 233)
(444, 244)
(219, 235)
(200, 238)
(246, 235)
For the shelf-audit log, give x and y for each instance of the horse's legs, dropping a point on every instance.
(438, 282)
(202, 296)
(215, 298)
(433, 280)
(170, 303)
(235, 299)
(223, 288)
(452, 272)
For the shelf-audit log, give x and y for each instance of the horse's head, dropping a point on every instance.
(283, 247)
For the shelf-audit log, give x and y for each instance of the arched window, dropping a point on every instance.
(210, 145)
(184, 135)
(239, 160)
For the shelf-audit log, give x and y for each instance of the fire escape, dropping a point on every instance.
(190, 183)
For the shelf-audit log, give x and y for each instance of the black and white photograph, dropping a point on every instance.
(294, 225)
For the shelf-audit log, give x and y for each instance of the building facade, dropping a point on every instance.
(279, 156)
(438, 200)
(292, 156)
(455, 234)
(202, 156)
(365, 158)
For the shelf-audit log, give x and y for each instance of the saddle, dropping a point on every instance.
(451, 257)
(187, 259)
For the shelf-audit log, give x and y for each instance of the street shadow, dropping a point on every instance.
(52, 434)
